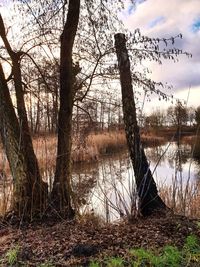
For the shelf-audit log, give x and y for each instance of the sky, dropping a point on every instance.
(166, 18)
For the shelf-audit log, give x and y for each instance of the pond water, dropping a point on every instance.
(108, 189)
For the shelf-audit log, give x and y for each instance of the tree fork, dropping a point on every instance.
(61, 195)
(33, 189)
(149, 200)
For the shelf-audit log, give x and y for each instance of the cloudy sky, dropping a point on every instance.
(166, 18)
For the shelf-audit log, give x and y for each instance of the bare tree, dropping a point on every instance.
(61, 193)
(29, 189)
(150, 201)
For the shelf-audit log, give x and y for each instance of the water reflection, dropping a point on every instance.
(113, 195)
(107, 187)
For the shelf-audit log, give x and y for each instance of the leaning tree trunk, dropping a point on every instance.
(149, 200)
(34, 190)
(61, 193)
(28, 193)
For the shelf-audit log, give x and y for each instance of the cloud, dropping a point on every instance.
(187, 95)
(159, 18)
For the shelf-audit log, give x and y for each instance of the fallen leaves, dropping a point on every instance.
(76, 243)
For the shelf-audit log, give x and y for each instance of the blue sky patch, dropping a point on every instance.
(196, 25)
(156, 21)
(133, 7)
(140, 1)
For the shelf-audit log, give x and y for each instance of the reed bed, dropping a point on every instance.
(189, 139)
(107, 142)
(94, 145)
(45, 149)
(152, 140)
(184, 201)
(194, 141)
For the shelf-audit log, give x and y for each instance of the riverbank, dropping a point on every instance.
(107, 142)
(87, 150)
(95, 145)
(86, 241)
(92, 147)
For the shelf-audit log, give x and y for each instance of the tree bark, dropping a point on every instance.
(149, 200)
(28, 191)
(34, 190)
(61, 194)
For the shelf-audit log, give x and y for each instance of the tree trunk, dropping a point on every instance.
(149, 200)
(61, 193)
(29, 193)
(37, 114)
(33, 167)
(33, 188)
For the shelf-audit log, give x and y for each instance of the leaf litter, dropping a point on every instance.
(77, 242)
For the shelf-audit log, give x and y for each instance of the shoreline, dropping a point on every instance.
(95, 145)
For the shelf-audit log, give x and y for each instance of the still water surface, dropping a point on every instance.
(108, 185)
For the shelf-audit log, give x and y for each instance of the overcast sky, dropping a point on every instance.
(165, 18)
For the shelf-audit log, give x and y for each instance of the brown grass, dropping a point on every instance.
(152, 140)
(95, 145)
(45, 149)
(189, 139)
(91, 149)
(107, 142)
(184, 202)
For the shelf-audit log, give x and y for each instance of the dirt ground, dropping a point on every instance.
(77, 242)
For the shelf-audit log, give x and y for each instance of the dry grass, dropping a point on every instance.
(183, 201)
(97, 144)
(89, 150)
(45, 148)
(84, 153)
(107, 142)
(152, 140)
(189, 139)
(94, 146)
(181, 198)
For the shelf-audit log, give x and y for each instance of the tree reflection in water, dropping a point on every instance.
(113, 194)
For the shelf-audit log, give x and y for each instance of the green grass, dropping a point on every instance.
(115, 262)
(12, 259)
(12, 256)
(169, 256)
